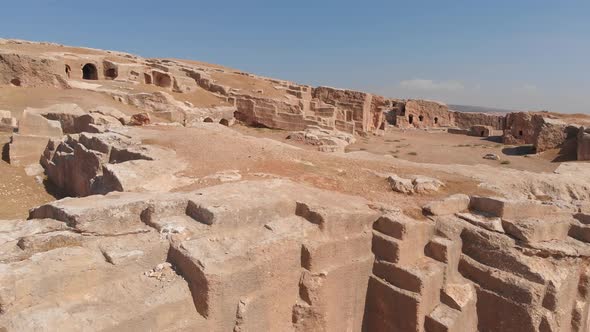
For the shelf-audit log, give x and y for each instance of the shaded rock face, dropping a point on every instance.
(583, 139)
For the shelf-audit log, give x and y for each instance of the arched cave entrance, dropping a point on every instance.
(520, 133)
(15, 82)
(482, 133)
(435, 120)
(224, 122)
(89, 72)
(68, 71)
(208, 120)
(421, 118)
(410, 118)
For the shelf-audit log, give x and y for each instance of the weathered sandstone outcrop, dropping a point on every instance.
(416, 184)
(38, 126)
(325, 140)
(529, 128)
(244, 257)
(88, 164)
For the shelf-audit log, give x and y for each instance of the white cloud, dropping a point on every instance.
(430, 85)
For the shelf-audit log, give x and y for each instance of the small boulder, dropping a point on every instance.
(491, 156)
(424, 184)
(140, 119)
(400, 185)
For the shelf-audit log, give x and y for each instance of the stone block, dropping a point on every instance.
(536, 230)
(26, 150)
(33, 123)
(397, 251)
(316, 256)
(496, 313)
(580, 232)
(404, 228)
(425, 277)
(390, 308)
(511, 209)
(443, 319)
(517, 289)
(450, 205)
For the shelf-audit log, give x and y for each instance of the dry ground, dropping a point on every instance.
(16, 99)
(434, 147)
(18, 192)
(208, 151)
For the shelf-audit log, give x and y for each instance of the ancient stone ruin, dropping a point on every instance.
(193, 197)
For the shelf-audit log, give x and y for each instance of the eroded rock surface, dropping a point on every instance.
(248, 256)
(87, 164)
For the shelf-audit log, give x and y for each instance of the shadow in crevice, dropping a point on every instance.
(6, 152)
(567, 152)
(54, 190)
(519, 150)
(495, 139)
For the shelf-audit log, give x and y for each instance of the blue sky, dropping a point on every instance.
(513, 54)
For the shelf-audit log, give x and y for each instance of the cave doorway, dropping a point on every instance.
(111, 73)
(208, 120)
(224, 122)
(435, 120)
(410, 118)
(147, 78)
(421, 118)
(68, 71)
(89, 72)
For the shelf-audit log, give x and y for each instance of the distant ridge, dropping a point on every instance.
(479, 109)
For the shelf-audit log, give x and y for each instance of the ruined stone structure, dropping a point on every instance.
(542, 132)
(156, 233)
(469, 119)
(420, 114)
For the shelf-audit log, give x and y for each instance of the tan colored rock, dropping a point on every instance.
(450, 205)
(26, 150)
(325, 140)
(401, 185)
(424, 184)
(536, 229)
(34, 123)
(7, 122)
